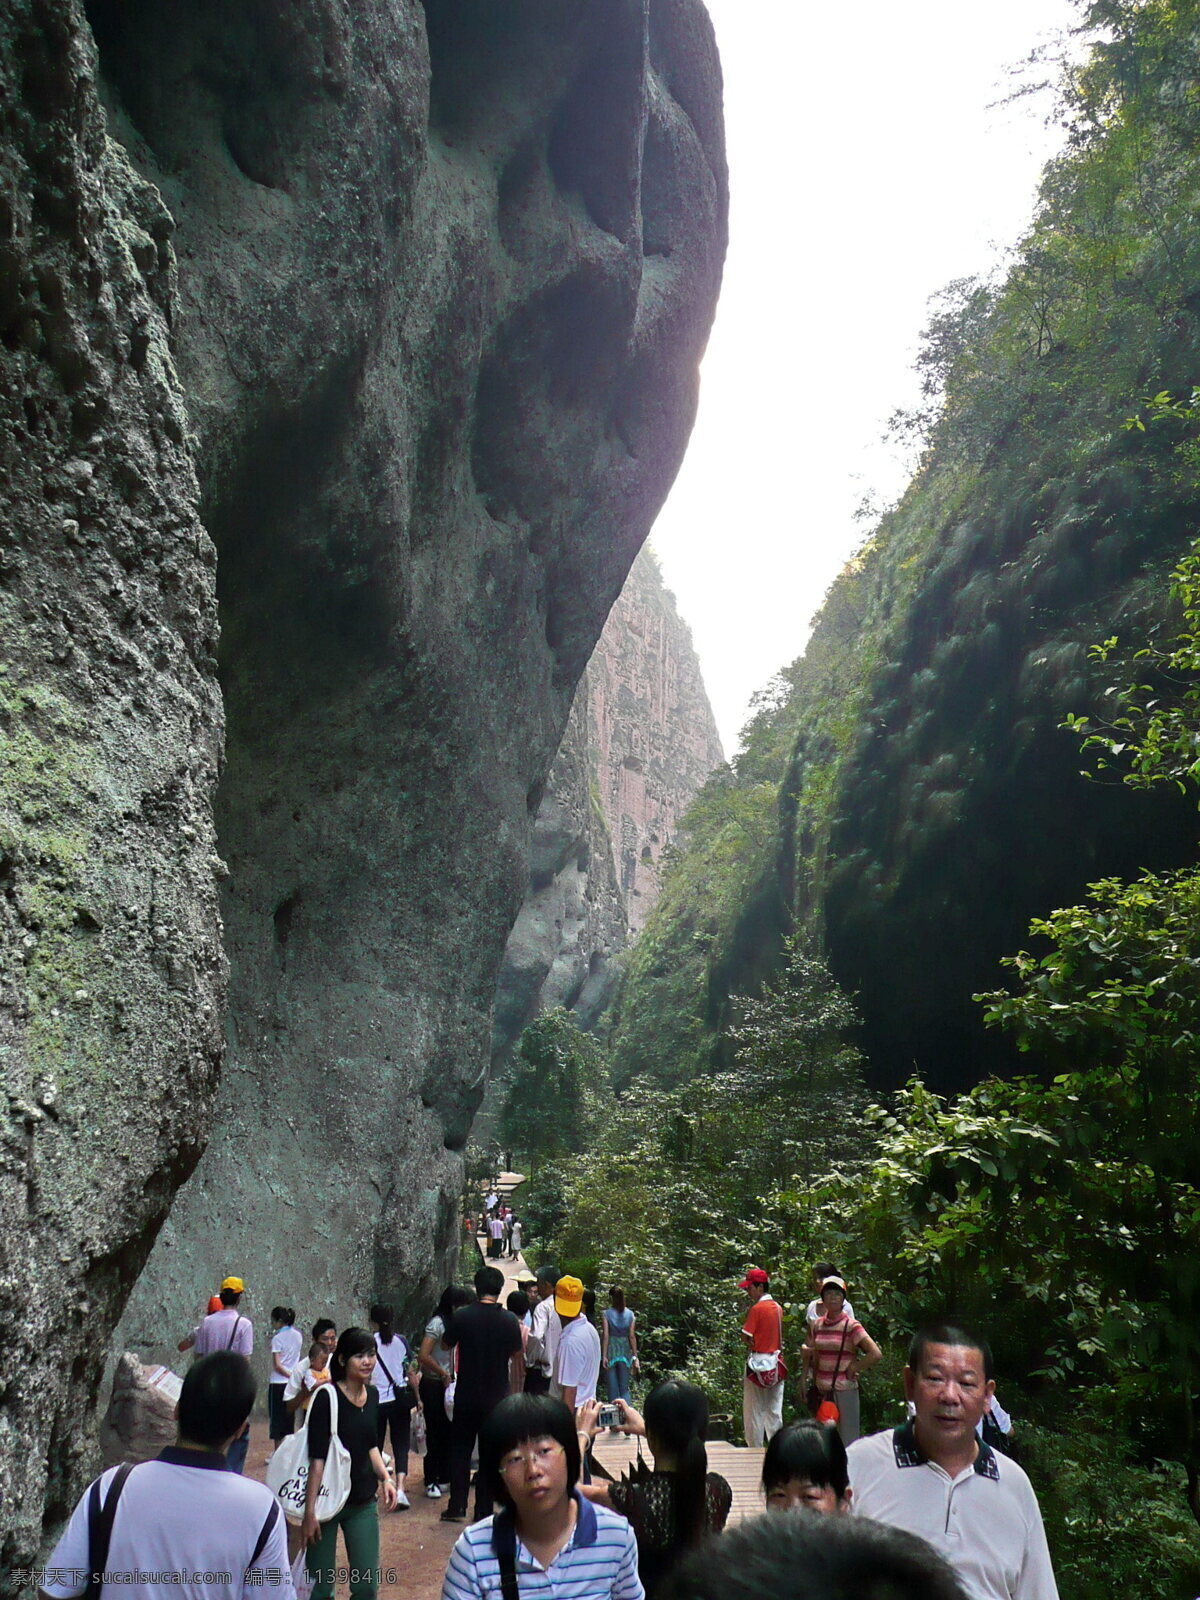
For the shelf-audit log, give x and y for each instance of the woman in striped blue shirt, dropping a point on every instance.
(547, 1542)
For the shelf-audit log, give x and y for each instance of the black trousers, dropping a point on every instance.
(398, 1417)
(469, 1417)
(536, 1381)
(437, 1431)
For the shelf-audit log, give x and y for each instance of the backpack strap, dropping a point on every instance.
(504, 1544)
(237, 1322)
(100, 1527)
(265, 1533)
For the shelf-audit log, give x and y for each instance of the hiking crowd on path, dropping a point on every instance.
(930, 1508)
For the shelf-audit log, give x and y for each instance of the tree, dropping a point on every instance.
(793, 1065)
(558, 1073)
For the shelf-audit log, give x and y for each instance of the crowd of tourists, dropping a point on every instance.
(506, 1395)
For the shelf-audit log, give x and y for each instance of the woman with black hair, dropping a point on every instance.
(805, 1468)
(358, 1428)
(547, 1538)
(286, 1342)
(680, 1503)
(435, 1361)
(397, 1394)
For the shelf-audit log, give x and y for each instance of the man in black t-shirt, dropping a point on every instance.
(487, 1339)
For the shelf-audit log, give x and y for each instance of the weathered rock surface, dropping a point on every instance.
(442, 275)
(111, 972)
(446, 274)
(653, 731)
(640, 743)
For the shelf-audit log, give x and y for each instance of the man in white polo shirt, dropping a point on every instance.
(577, 1364)
(934, 1477)
(182, 1525)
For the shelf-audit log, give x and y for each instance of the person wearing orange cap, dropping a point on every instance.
(226, 1329)
(577, 1360)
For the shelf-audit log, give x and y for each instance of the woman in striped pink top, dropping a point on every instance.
(838, 1349)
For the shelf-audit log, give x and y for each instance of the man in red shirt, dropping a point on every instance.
(762, 1386)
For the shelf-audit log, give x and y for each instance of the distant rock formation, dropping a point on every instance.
(640, 744)
(652, 730)
(402, 304)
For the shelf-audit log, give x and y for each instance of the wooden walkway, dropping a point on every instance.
(739, 1466)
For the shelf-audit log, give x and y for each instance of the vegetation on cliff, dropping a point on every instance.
(904, 791)
(908, 806)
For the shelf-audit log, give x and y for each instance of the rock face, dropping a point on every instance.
(640, 743)
(111, 972)
(652, 729)
(442, 275)
(572, 922)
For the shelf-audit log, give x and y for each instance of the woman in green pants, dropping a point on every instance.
(358, 1429)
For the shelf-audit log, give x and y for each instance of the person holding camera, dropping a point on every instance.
(678, 1504)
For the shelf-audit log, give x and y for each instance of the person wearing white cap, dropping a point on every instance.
(838, 1349)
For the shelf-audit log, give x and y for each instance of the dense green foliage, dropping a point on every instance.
(906, 799)
(902, 791)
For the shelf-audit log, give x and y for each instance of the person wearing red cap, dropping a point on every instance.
(762, 1386)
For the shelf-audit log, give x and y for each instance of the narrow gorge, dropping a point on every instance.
(640, 744)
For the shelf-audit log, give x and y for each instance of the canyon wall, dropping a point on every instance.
(652, 730)
(435, 280)
(640, 743)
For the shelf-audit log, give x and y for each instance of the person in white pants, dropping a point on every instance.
(762, 1386)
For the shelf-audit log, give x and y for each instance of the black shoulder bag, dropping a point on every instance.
(504, 1543)
(100, 1527)
(403, 1391)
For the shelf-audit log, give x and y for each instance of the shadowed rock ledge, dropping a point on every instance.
(436, 280)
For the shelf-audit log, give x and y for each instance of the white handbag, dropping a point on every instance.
(287, 1470)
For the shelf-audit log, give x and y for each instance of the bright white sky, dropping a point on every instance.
(869, 166)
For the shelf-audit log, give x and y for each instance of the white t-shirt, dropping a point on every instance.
(395, 1354)
(816, 1310)
(545, 1330)
(985, 1521)
(286, 1345)
(184, 1521)
(435, 1329)
(578, 1362)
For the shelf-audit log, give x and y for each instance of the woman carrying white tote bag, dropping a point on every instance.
(287, 1471)
(352, 1417)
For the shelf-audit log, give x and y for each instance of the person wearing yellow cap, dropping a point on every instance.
(577, 1360)
(226, 1329)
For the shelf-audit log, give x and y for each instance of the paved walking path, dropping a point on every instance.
(415, 1545)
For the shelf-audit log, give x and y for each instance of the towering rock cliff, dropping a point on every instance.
(640, 743)
(436, 279)
(652, 730)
